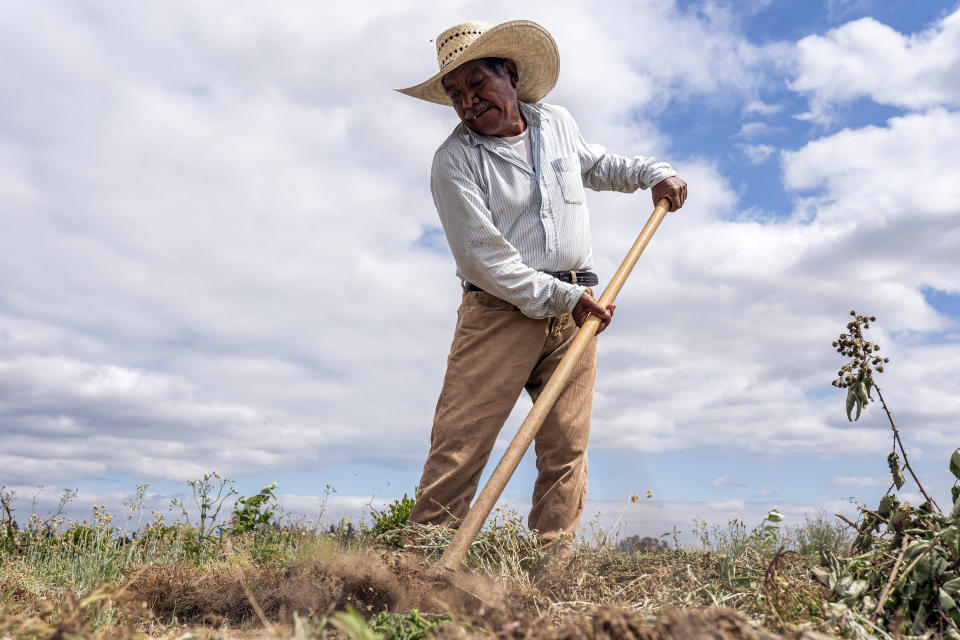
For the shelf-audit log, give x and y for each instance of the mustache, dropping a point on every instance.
(475, 111)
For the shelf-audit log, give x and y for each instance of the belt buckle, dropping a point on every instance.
(573, 277)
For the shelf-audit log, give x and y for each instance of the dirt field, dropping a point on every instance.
(224, 598)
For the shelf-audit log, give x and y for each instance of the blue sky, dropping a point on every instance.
(221, 253)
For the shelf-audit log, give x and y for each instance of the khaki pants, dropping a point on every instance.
(496, 353)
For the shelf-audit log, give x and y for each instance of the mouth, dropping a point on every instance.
(477, 111)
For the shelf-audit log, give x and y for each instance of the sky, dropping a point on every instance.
(219, 251)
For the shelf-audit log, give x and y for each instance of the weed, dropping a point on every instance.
(254, 513)
(819, 537)
(411, 625)
(504, 548)
(343, 532)
(906, 574)
(391, 520)
(209, 494)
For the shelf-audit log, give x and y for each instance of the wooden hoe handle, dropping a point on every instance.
(478, 514)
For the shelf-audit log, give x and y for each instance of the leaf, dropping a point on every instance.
(856, 588)
(946, 601)
(955, 463)
(823, 576)
(775, 515)
(851, 400)
(955, 493)
(353, 625)
(951, 586)
(919, 619)
(862, 393)
(888, 503)
(893, 460)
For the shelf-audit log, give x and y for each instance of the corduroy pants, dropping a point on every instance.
(496, 353)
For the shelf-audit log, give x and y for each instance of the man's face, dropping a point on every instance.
(485, 100)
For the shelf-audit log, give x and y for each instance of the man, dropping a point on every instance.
(508, 185)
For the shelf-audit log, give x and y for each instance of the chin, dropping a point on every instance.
(484, 124)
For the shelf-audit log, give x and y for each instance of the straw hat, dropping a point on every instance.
(525, 42)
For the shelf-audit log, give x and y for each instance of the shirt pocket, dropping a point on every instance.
(567, 169)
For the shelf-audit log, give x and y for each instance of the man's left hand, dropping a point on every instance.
(674, 189)
(587, 306)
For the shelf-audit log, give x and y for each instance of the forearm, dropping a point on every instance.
(504, 275)
(613, 172)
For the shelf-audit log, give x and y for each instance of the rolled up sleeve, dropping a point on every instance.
(604, 171)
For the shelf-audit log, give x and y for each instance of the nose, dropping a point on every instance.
(467, 99)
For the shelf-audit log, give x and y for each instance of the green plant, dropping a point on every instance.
(857, 377)
(819, 536)
(353, 625)
(209, 494)
(741, 555)
(343, 532)
(8, 526)
(391, 520)
(412, 625)
(254, 513)
(906, 574)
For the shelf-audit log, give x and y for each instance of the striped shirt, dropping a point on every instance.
(507, 223)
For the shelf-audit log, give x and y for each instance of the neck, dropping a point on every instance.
(517, 124)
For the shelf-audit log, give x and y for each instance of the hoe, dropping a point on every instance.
(484, 503)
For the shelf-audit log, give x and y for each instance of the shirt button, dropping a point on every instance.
(544, 214)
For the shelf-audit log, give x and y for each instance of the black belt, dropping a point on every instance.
(586, 278)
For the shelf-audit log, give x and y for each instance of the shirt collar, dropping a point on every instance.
(532, 113)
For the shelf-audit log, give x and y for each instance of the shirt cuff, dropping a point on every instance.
(660, 172)
(568, 295)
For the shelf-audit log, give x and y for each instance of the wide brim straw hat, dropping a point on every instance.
(525, 42)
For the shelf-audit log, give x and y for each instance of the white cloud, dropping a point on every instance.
(209, 253)
(751, 130)
(859, 481)
(756, 153)
(726, 481)
(868, 58)
(763, 108)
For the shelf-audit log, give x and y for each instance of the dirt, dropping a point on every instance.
(370, 583)
(397, 582)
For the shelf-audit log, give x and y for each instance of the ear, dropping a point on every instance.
(511, 68)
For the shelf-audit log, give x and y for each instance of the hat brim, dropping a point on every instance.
(528, 44)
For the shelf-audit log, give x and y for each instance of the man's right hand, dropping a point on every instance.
(673, 189)
(587, 306)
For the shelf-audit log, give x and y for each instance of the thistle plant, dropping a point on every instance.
(905, 575)
(856, 376)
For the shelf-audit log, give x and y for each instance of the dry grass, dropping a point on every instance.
(601, 594)
(299, 584)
